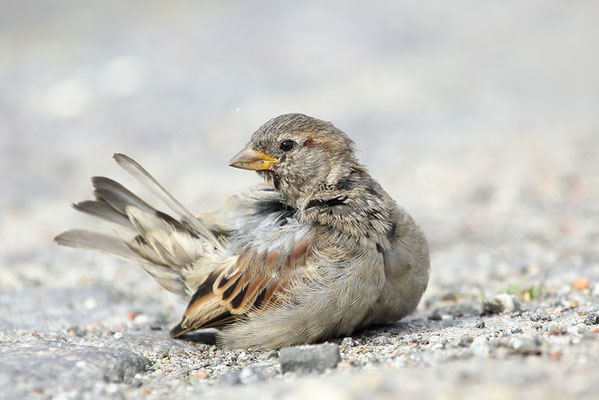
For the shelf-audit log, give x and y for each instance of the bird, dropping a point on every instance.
(316, 251)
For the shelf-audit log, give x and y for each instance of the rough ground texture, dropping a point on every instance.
(481, 119)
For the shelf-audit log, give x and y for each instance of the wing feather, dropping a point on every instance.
(255, 279)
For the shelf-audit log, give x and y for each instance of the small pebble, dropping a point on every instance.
(555, 356)
(556, 329)
(141, 319)
(310, 357)
(592, 319)
(250, 375)
(347, 342)
(450, 296)
(501, 303)
(437, 346)
(581, 284)
(380, 340)
(540, 315)
(269, 355)
(231, 379)
(526, 346)
(480, 347)
(466, 340)
(199, 375)
(90, 303)
(480, 324)
(435, 316)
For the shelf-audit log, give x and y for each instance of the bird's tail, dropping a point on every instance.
(178, 253)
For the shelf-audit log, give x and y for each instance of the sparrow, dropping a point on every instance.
(317, 251)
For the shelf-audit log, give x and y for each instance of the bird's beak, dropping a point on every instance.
(255, 160)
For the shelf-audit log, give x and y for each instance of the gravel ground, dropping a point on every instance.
(480, 120)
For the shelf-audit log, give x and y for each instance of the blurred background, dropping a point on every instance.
(481, 118)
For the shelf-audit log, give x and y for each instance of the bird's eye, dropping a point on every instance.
(287, 145)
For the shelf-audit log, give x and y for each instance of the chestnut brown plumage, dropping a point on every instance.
(318, 251)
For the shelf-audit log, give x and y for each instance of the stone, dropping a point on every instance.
(501, 303)
(309, 357)
(465, 341)
(480, 347)
(231, 379)
(52, 367)
(250, 375)
(380, 340)
(155, 344)
(592, 319)
(526, 346)
(448, 320)
(540, 315)
(269, 355)
(556, 329)
(435, 316)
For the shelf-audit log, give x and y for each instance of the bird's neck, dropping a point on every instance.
(299, 191)
(354, 205)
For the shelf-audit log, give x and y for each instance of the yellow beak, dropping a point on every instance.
(255, 160)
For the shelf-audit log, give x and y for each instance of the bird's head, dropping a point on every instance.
(299, 154)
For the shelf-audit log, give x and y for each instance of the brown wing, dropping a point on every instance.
(253, 280)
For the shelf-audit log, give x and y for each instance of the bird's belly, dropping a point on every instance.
(405, 282)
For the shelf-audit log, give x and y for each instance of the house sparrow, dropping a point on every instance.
(316, 252)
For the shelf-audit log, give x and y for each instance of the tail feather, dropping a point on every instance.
(179, 254)
(80, 238)
(83, 239)
(176, 246)
(117, 195)
(104, 211)
(139, 173)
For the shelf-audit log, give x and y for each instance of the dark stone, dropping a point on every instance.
(435, 316)
(592, 319)
(540, 315)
